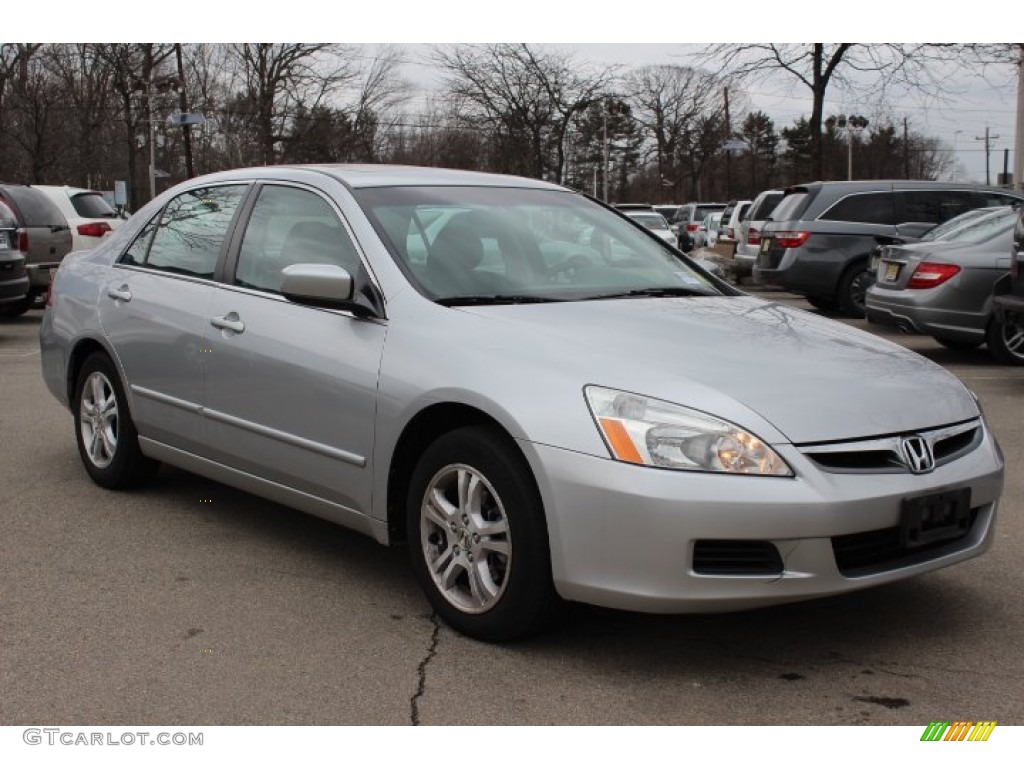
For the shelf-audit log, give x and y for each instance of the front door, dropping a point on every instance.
(291, 390)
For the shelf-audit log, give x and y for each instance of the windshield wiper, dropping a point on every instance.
(653, 292)
(494, 298)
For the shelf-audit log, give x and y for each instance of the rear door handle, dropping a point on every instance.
(120, 294)
(228, 322)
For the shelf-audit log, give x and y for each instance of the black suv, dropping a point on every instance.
(43, 237)
(13, 278)
(819, 238)
(1007, 337)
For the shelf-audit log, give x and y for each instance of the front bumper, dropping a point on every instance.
(624, 536)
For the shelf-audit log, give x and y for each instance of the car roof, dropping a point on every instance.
(371, 175)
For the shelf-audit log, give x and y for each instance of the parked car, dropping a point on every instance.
(43, 237)
(748, 241)
(821, 235)
(706, 235)
(88, 215)
(655, 222)
(13, 277)
(668, 211)
(688, 218)
(603, 423)
(943, 287)
(732, 214)
(1008, 304)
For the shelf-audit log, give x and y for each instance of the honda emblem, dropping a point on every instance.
(917, 454)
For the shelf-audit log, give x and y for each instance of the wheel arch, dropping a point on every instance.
(420, 431)
(79, 354)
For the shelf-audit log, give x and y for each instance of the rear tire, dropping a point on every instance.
(478, 537)
(1005, 339)
(853, 287)
(104, 430)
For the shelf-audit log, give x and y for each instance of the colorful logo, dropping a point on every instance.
(960, 730)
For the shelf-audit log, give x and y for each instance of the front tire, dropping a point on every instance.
(958, 345)
(15, 308)
(1005, 339)
(107, 441)
(478, 537)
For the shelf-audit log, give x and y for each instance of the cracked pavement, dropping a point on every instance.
(154, 607)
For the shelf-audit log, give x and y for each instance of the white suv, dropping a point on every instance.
(89, 215)
(748, 236)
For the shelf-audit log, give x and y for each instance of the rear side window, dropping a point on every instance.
(763, 208)
(91, 205)
(7, 218)
(192, 230)
(36, 210)
(933, 205)
(867, 208)
(790, 207)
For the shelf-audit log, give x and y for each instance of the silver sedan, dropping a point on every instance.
(942, 286)
(543, 400)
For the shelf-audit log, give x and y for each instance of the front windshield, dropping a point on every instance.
(501, 243)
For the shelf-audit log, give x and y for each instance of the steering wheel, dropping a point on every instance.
(571, 262)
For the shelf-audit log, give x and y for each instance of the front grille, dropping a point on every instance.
(862, 554)
(724, 557)
(884, 455)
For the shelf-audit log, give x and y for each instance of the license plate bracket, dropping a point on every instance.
(935, 517)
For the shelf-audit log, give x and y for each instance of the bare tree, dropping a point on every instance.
(817, 66)
(277, 76)
(524, 96)
(669, 101)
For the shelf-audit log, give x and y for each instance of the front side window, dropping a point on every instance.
(192, 230)
(291, 226)
(933, 205)
(507, 244)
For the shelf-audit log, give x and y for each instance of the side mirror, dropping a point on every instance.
(331, 286)
(320, 284)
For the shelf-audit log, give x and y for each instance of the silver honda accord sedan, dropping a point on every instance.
(540, 397)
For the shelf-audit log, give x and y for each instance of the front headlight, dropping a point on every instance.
(642, 430)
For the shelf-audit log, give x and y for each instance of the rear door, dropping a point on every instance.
(154, 310)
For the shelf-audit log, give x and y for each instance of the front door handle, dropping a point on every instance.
(228, 322)
(120, 294)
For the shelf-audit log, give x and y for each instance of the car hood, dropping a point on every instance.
(813, 379)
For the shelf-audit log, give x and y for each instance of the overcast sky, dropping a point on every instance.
(971, 103)
(974, 103)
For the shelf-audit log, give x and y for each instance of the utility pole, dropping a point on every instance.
(728, 153)
(1018, 141)
(186, 130)
(906, 150)
(987, 138)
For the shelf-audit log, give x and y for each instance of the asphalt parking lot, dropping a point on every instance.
(192, 603)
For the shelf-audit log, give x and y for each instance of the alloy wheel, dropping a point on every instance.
(466, 539)
(98, 419)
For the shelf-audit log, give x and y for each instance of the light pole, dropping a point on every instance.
(852, 125)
